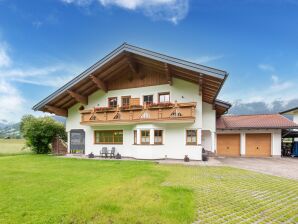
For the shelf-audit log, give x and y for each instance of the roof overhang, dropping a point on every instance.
(221, 107)
(292, 111)
(81, 87)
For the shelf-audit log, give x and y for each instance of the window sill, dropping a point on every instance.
(148, 144)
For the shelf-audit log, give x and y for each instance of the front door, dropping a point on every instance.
(77, 141)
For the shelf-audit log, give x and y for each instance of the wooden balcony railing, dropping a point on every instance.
(167, 112)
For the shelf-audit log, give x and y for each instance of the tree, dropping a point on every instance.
(39, 132)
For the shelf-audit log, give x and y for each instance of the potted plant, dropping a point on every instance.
(186, 158)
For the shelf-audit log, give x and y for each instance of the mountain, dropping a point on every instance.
(13, 130)
(10, 130)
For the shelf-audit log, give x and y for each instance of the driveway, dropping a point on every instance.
(283, 167)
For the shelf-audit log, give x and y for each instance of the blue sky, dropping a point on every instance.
(44, 43)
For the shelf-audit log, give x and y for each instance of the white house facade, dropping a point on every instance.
(147, 105)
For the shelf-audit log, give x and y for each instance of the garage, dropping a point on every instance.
(252, 135)
(228, 144)
(258, 145)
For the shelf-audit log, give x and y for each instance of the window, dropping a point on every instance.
(112, 102)
(148, 99)
(157, 137)
(164, 97)
(145, 137)
(135, 137)
(125, 101)
(108, 137)
(191, 137)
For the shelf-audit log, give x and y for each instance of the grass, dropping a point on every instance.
(47, 189)
(12, 147)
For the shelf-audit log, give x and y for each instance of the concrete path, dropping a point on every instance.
(283, 167)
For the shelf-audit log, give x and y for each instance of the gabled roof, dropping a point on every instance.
(260, 121)
(123, 58)
(290, 111)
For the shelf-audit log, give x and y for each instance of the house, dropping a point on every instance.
(293, 112)
(150, 106)
(292, 133)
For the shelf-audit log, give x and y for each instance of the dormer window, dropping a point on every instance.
(112, 101)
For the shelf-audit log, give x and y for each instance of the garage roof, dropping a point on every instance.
(260, 121)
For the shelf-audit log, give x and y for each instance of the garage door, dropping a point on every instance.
(228, 144)
(258, 145)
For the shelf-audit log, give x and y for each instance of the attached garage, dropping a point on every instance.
(258, 145)
(228, 144)
(251, 135)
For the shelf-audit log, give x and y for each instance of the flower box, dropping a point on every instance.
(160, 105)
(104, 109)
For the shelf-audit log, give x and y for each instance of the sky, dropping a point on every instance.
(45, 43)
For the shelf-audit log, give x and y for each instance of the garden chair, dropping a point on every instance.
(112, 152)
(104, 152)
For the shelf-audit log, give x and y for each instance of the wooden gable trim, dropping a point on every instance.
(57, 110)
(78, 97)
(133, 66)
(100, 84)
(168, 74)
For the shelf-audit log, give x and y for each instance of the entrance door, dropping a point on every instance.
(77, 141)
(228, 144)
(258, 145)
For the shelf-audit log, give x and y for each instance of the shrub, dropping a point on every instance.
(40, 132)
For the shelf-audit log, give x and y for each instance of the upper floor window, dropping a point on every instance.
(191, 137)
(112, 102)
(164, 97)
(148, 99)
(125, 101)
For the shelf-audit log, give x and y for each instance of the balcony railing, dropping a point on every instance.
(163, 112)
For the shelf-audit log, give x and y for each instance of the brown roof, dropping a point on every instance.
(127, 60)
(260, 121)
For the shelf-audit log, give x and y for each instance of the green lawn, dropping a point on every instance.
(47, 189)
(12, 147)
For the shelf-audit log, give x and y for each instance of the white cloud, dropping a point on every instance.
(77, 2)
(13, 104)
(279, 85)
(11, 101)
(5, 60)
(275, 89)
(169, 10)
(266, 67)
(206, 58)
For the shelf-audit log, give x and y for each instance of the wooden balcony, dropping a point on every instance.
(166, 113)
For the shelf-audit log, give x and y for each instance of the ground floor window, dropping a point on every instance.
(158, 137)
(191, 137)
(108, 137)
(145, 137)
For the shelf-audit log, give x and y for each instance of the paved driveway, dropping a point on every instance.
(283, 167)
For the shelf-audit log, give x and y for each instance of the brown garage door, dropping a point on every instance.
(258, 145)
(228, 144)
